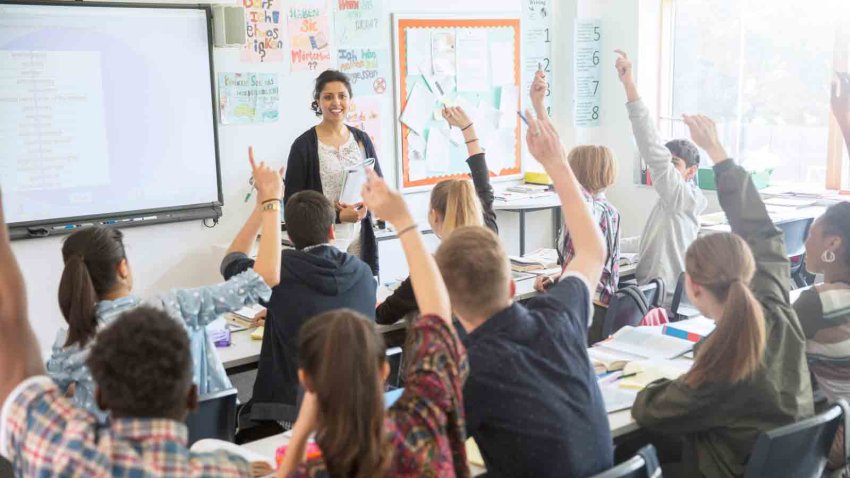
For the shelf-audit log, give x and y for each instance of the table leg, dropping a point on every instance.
(522, 232)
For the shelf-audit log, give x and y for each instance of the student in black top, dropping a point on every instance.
(453, 205)
(321, 153)
(532, 401)
(314, 278)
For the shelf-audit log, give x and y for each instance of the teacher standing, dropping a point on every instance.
(318, 158)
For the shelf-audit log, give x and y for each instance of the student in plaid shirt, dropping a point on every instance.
(142, 367)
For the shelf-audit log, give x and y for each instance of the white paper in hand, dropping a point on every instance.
(355, 178)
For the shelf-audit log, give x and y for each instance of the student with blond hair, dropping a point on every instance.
(750, 375)
(454, 203)
(595, 169)
(532, 401)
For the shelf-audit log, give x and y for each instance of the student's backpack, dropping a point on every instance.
(631, 305)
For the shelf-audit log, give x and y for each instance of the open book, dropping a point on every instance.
(537, 260)
(638, 374)
(635, 343)
(260, 465)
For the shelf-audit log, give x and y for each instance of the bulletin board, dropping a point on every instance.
(468, 61)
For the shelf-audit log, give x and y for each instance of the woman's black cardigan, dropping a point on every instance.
(302, 173)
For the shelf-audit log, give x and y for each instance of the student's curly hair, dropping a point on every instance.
(142, 365)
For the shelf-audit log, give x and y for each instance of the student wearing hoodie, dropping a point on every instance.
(673, 223)
(315, 277)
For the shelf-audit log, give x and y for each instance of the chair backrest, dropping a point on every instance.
(795, 232)
(627, 307)
(681, 307)
(654, 292)
(642, 465)
(214, 418)
(394, 356)
(798, 449)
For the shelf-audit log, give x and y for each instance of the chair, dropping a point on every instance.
(796, 231)
(394, 358)
(629, 304)
(654, 295)
(214, 418)
(642, 465)
(798, 449)
(681, 307)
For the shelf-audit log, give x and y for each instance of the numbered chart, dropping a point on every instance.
(588, 43)
(537, 47)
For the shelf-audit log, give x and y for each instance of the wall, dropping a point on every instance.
(188, 254)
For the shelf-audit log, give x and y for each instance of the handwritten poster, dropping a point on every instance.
(364, 113)
(245, 98)
(367, 68)
(357, 23)
(588, 47)
(443, 53)
(264, 38)
(308, 37)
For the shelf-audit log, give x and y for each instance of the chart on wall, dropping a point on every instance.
(473, 63)
(537, 47)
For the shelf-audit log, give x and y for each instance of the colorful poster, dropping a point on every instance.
(308, 37)
(367, 69)
(264, 38)
(357, 23)
(245, 98)
(364, 113)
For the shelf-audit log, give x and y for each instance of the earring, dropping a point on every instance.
(828, 257)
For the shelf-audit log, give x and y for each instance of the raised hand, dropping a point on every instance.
(624, 67)
(538, 90)
(704, 134)
(543, 143)
(385, 201)
(267, 180)
(456, 116)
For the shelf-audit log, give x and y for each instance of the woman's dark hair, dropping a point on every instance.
(328, 76)
(91, 260)
(349, 391)
(836, 222)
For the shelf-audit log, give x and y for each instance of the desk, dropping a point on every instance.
(716, 222)
(523, 206)
(525, 287)
(244, 353)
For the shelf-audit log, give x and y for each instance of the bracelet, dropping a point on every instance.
(466, 127)
(472, 140)
(271, 206)
(270, 200)
(406, 229)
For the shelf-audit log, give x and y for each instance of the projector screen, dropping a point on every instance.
(106, 112)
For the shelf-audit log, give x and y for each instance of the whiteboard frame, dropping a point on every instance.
(396, 17)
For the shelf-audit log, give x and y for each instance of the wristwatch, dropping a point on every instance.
(273, 205)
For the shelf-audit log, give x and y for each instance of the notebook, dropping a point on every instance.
(353, 181)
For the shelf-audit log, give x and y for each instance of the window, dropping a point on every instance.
(762, 69)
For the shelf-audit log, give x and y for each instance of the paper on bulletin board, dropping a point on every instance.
(367, 67)
(309, 37)
(588, 48)
(418, 51)
(437, 150)
(501, 64)
(246, 98)
(508, 104)
(443, 49)
(264, 36)
(357, 23)
(418, 108)
(472, 60)
(500, 147)
(364, 113)
(417, 166)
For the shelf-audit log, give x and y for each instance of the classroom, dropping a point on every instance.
(357, 238)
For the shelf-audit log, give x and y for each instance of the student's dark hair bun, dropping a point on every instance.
(328, 76)
(684, 150)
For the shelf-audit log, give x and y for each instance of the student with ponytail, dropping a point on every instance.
(750, 375)
(453, 204)
(96, 287)
(422, 434)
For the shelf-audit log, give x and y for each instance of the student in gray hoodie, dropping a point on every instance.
(673, 223)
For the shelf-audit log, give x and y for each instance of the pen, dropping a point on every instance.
(522, 118)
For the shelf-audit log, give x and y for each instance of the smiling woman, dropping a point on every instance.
(318, 160)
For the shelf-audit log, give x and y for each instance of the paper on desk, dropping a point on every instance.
(437, 151)
(472, 60)
(501, 63)
(418, 108)
(418, 50)
(508, 105)
(443, 53)
(208, 445)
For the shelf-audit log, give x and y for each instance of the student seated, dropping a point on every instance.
(315, 277)
(750, 375)
(142, 367)
(422, 433)
(673, 223)
(532, 401)
(453, 205)
(595, 169)
(824, 310)
(96, 287)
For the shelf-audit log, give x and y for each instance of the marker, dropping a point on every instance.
(71, 226)
(522, 118)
